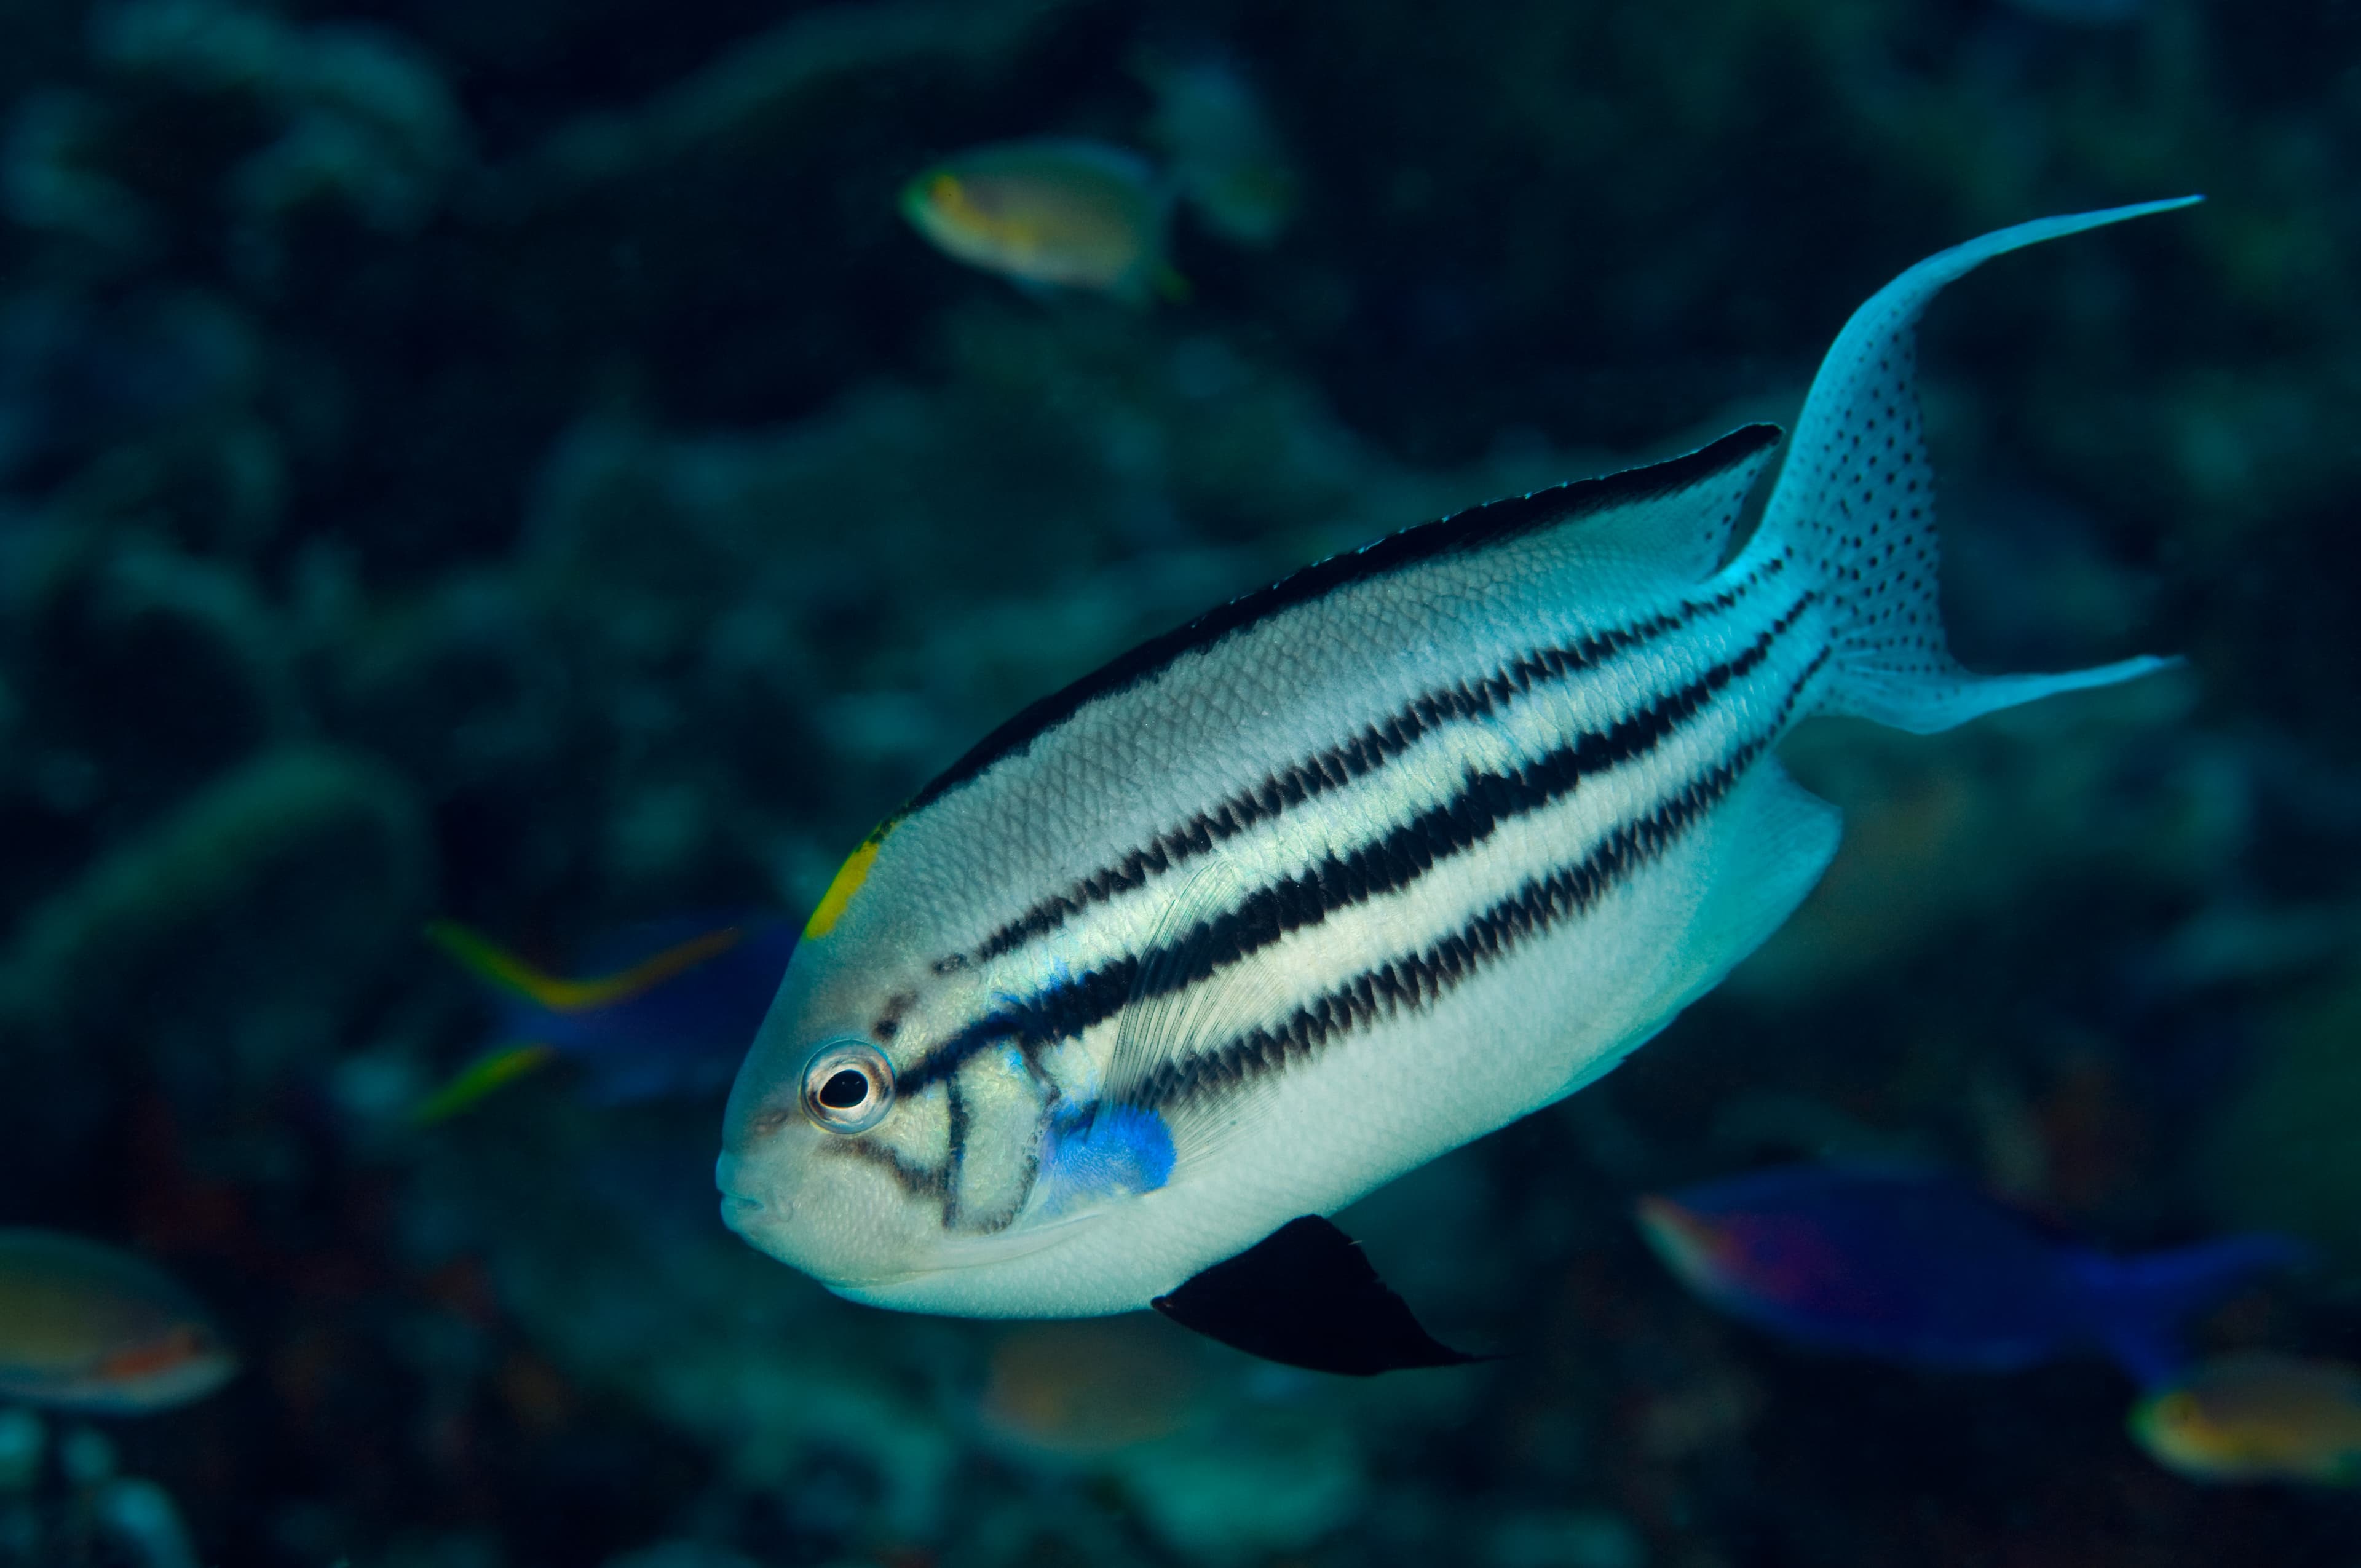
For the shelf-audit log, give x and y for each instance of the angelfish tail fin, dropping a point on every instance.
(2138, 1305)
(1856, 499)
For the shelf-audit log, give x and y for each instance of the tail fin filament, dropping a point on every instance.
(1856, 498)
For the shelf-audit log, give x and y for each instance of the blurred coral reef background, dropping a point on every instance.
(509, 461)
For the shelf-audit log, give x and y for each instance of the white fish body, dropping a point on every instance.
(1352, 871)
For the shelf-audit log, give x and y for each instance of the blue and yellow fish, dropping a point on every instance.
(1345, 873)
(1924, 1269)
(666, 1010)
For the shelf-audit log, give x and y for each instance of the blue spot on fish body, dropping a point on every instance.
(1103, 1151)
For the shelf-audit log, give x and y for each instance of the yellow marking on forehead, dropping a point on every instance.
(948, 195)
(848, 878)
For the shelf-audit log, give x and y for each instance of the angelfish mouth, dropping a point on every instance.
(737, 1208)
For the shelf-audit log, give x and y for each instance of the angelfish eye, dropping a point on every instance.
(847, 1086)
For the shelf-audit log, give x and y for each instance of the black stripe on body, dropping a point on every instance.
(941, 1184)
(1064, 1010)
(1376, 745)
(956, 1214)
(1423, 978)
(1466, 533)
(917, 1180)
(954, 1151)
(1386, 864)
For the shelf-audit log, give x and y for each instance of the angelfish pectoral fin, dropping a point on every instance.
(1306, 1295)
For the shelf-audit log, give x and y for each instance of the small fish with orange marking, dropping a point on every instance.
(1052, 213)
(88, 1327)
(2256, 1417)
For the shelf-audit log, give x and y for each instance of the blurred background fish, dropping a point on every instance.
(1226, 158)
(665, 1008)
(1091, 1387)
(87, 1327)
(2256, 1417)
(1052, 212)
(1921, 1269)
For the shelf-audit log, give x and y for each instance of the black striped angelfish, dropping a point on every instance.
(1345, 873)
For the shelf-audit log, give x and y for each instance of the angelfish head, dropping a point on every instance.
(815, 1168)
(883, 1133)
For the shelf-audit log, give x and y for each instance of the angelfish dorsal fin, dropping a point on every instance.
(1682, 522)
(1307, 1297)
(1675, 517)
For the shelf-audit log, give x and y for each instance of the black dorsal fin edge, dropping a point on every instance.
(1475, 528)
(1307, 1295)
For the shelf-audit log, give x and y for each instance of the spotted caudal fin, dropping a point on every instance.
(2136, 1307)
(1857, 496)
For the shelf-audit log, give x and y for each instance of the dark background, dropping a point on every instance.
(511, 461)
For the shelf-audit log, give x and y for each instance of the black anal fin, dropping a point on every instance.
(1306, 1295)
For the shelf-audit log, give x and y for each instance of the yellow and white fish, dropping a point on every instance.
(85, 1327)
(2256, 1417)
(1345, 874)
(1056, 213)
(1090, 1389)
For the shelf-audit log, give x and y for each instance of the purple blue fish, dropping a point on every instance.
(662, 1009)
(1923, 1268)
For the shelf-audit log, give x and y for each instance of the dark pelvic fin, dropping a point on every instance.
(1304, 1295)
